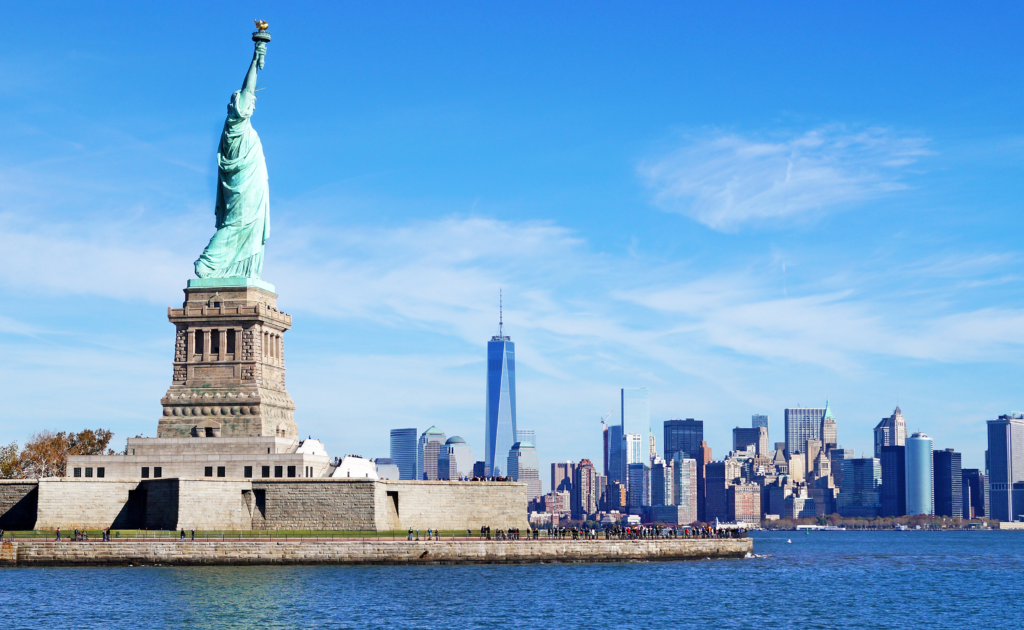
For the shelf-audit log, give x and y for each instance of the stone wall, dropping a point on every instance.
(455, 504)
(89, 503)
(214, 504)
(18, 503)
(274, 504)
(337, 504)
(366, 552)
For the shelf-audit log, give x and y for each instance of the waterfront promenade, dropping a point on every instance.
(40, 552)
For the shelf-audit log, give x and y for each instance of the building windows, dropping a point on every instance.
(278, 471)
(247, 472)
(231, 341)
(208, 471)
(200, 344)
(145, 472)
(214, 343)
(265, 471)
(78, 472)
(220, 471)
(88, 472)
(158, 472)
(291, 471)
(100, 472)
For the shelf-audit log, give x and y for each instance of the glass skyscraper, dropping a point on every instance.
(1005, 465)
(500, 409)
(920, 490)
(616, 455)
(683, 437)
(949, 498)
(894, 481)
(802, 424)
(404, 452)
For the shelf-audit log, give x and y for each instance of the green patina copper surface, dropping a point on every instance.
(243, 192)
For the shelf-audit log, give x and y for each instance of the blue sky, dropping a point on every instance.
(743, 207)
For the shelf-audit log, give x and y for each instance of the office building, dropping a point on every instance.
(894, 481)
(684, 488)
(585, 491)
(837, 455)
(891, 431)
(661, 483)
(479, 469)
(1005, 465)
(562, 474)
(744, 503)
(616, 454)
(948, 483)
(634, 449)
(919, 474)
(653, 448)
(828, 433)
(524, 467)
(759, 420)
(756, 437)
(607, 451)
(860, 495)
(404, 452)
(802, 424)
(703, 459)
(975, 495)
(615, 498)
(500, 406)
(716, 502)
(428, 449)
(455, 460)
(638, 490)
(683, 436)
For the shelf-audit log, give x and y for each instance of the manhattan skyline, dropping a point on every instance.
(741, 214)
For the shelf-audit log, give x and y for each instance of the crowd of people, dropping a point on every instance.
(612, 532)
(647, 532)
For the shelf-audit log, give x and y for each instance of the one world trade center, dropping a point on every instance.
(500, 411)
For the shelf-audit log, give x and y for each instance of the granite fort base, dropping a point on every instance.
(366, 552)
(260, 504)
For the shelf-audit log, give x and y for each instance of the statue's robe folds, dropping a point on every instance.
(243, 199)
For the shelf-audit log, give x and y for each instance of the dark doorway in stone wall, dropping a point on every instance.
(133, 514)
(392, 508)
(259, 515)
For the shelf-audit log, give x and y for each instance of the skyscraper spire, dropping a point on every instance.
(501, 323)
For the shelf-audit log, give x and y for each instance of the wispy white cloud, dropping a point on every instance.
(725, 180)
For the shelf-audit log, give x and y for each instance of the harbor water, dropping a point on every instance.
(819, 580)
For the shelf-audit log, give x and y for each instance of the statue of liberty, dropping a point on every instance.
(243, 192)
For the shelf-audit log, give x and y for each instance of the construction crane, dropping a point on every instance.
(607, 415)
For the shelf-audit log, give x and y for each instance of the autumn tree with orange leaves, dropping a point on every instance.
(46, 453)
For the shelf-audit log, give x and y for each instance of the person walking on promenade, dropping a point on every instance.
(182, 534)
(410, 533)
(193, 535)
(437, 534)
(58, 535)
(429, 533)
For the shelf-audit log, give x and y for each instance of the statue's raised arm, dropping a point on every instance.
(243, 191)
(248, 92)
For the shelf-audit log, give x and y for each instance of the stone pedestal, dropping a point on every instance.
(228, 365)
